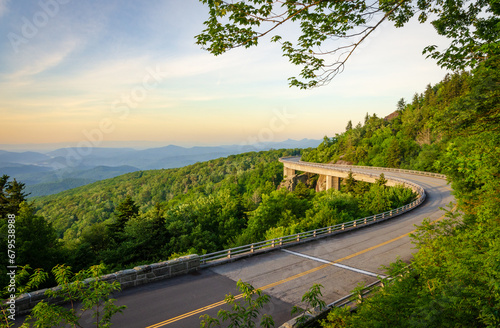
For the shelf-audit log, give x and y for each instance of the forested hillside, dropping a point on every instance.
(148, 216)
(414, 137)
(454, 128)
(74, 210)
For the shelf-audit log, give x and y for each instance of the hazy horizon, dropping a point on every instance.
(123, 70)
(134, 144)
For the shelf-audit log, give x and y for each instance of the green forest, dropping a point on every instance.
(150, 216)
(452, 128)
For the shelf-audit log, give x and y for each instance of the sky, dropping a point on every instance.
(128, 73)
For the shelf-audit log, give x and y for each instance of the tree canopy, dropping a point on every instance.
(332, 30)
(453, 279)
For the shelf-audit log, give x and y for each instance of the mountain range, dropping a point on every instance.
(46, 173)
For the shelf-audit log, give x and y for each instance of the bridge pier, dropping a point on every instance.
(332, 182)
(287, 172)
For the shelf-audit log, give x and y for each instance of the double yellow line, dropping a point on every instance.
(214, 305)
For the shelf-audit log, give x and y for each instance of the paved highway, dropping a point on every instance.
(338, 263)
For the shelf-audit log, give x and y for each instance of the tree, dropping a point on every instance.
(25, 282)
(11, 196)
(478, 111)
(242, 315)
(313, 301)
(349, 182)
(86, 287)
(381, 181)
(349, 126)
(303, 192)
(124, 212)
(394, 153)
(37, 244)
(401, 105)
(472, 26)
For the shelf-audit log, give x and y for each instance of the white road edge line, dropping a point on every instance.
(335, 264)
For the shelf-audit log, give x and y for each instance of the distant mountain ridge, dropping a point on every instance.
(27, 157)
(65, 168)
(73, 179)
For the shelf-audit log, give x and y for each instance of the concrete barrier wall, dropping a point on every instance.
(137, 276)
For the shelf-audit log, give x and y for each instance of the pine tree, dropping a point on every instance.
(123, 213)
(381, 181)
(11, 196)
(350, 183)
(401, 104)
(349, 126)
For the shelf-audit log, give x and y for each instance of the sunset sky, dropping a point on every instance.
(111, 71)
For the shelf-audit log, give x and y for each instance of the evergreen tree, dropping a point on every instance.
(302, 192)
(349, 126)
(125, 211)
(381, 181)
(401, 105)
(394, 154)
(349, 183)
(37, 244)
(4, 202)
(11, 196)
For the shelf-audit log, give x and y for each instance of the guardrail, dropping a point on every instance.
(354, 298)
(280, 242)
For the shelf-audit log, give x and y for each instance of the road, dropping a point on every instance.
(338, 263)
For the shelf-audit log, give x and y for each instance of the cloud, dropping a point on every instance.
(45, 61)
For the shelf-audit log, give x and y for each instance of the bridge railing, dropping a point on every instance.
(353, 299)
(280, 242)
(323, 165)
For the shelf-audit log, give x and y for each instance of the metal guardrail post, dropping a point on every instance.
(360, 298)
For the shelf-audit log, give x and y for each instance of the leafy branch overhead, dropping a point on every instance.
(331, 30)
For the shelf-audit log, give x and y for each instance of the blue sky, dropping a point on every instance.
(105, 72)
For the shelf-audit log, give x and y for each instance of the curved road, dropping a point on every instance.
(338, 263)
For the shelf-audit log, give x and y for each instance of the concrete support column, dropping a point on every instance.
(287, 172)
(332, 182)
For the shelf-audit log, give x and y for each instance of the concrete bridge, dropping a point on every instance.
(334, 173)
(339, 263)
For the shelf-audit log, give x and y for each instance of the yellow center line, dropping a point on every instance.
(373, 247)
(214, 305)
(186, 315)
